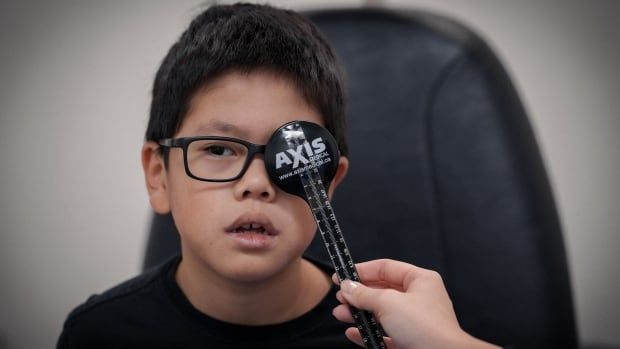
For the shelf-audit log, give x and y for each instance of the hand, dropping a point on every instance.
(411, 303)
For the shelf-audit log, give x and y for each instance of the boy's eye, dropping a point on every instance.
(219, 150)
(216, 150)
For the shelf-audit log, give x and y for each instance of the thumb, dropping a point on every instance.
(358, 295)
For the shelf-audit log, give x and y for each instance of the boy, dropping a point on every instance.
(238, 71)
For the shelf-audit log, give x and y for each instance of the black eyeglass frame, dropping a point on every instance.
(184, 142)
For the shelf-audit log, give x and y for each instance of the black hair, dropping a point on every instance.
(245, 38)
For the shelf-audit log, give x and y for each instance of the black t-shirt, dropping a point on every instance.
(151, 311)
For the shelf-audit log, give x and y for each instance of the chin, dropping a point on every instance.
(254, 269)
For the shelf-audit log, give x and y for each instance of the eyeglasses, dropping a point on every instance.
(213, 158)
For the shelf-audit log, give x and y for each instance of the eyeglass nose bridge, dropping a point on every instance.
(253, 149)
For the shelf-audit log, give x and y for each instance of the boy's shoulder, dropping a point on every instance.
(135, 300)
(121, 292)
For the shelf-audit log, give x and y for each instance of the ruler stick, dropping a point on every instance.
(341, 259)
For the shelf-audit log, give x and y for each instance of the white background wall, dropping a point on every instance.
(74, 100)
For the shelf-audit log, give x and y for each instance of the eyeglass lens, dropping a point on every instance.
(216, 159)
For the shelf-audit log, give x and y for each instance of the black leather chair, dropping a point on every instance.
(445, 173)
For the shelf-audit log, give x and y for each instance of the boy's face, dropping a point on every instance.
(214, 218)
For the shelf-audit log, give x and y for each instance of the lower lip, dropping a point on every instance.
(253, 241)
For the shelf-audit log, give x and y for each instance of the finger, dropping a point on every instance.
(371, 283)
(389, 271)
(389, 343)
(382, 284)
(353, 334)
(367, 298)
(343, 313)
(340, 297)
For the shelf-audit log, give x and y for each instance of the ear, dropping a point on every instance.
(341, 172)
(155, 177)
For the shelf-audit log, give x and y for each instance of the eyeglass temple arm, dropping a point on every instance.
(166, 142)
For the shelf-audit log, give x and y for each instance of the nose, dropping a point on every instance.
(255, 182)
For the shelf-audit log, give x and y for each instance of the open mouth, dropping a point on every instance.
(252, 228)
(253, 232)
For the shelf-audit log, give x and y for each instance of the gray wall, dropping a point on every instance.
(74, 102)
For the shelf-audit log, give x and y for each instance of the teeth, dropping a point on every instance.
(252, 226)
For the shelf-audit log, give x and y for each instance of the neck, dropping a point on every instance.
(289, 294)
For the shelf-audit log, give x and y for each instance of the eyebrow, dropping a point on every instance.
(221, 127)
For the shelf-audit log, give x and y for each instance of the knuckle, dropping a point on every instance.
(434, 276)
(358, 292)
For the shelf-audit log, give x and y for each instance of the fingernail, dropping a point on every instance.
(348, 286)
